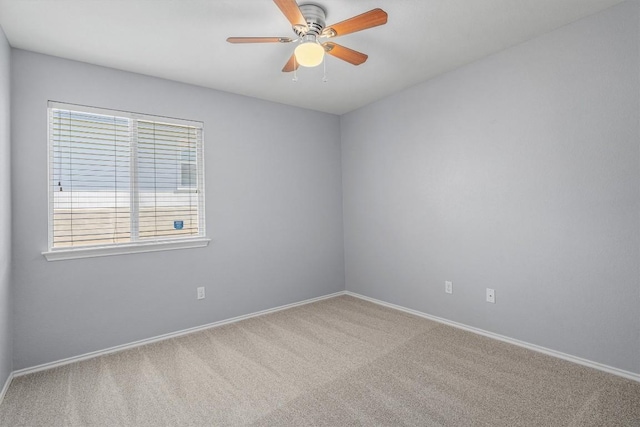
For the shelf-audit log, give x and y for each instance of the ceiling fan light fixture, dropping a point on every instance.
(308, 22)
(309, 52)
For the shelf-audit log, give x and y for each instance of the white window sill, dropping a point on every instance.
(63, 254)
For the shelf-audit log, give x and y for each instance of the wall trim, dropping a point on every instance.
(7, 383)
(93, 354)
(534, 347)
(125, 249)
(585, 362)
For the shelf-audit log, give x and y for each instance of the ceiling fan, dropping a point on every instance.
(308, 23)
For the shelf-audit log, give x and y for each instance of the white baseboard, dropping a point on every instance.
(91, 355)
(6, 387)
(547, 351)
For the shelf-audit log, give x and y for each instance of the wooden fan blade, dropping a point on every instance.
(259, 40)
(370, 19)
(351, 56)
(292, 12)
(291, 65)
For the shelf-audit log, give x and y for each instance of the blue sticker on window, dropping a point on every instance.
(178, 225)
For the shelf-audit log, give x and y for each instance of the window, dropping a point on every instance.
(122, 182)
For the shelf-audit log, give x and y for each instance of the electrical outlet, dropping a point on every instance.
(491, 295)
(448, 287)
(201, 292)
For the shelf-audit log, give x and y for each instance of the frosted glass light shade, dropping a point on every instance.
(309, 54)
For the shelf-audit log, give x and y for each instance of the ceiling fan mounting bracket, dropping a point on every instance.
(329, 32)
(315, 17)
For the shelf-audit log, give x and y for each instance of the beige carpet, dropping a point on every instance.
(337, 362)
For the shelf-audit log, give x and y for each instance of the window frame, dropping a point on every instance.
(135, 246)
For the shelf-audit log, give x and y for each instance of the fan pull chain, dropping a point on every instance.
(295, 70)
(324, 66)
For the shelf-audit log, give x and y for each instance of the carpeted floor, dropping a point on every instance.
(337, 362)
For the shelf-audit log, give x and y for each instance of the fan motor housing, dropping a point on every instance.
(315, 17)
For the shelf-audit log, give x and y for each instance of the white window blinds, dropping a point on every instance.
(119, 178)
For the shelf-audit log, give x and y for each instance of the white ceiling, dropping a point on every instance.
(184, 40)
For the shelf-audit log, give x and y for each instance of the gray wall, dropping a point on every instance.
(519, 172)
(274, 212)
(5, 213)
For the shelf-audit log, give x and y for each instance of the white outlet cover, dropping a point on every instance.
(201, 292)
(448, 287)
